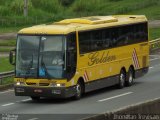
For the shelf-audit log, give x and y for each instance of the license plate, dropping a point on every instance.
(38, 90)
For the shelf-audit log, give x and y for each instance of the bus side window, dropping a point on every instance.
(114, 37)
(106, 38)
(84, 42)
(96, 40)
(144, 31)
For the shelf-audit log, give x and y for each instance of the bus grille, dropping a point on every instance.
(38, 84)
(43, 84)
(31, 84)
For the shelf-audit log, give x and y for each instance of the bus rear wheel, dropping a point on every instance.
(35, 98)
(130, 77)
(122, 79)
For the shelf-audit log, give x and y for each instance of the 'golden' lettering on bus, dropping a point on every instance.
(96, 58)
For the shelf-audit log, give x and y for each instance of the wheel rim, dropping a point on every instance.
(122, 79)
(78, 89)
(130, 77)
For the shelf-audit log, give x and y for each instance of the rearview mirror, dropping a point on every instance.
(12, 57)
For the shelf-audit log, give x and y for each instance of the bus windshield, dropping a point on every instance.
(40, 56)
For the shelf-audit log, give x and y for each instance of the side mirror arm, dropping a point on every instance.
(12, 57)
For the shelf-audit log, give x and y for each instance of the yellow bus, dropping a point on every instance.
(74, 56)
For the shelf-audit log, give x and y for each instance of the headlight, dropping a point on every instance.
(58, 85)
(19, 83)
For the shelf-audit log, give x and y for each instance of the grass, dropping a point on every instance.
(5, 65)
(7, 45)
(45, 11)
(7, 42)
(109, 7)
(5, 49)
(7, 80)
(5, 29)
(152, 12)
(154, 33)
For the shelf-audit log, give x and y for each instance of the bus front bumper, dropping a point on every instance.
(54, 92)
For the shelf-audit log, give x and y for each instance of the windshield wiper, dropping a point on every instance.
(45, 69)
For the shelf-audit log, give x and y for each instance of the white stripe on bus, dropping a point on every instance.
(86, 75)
(134, 54)
(134, 61)
(136, 58)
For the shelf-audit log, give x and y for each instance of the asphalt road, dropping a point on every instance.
(100, 101)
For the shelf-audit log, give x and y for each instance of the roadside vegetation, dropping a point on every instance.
(7, 43)
(154, 33)
(6, 81)
(47, 11)
(5, 65)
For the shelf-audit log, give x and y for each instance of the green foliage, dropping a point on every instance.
(3, 2)
(7, 42)
(10, 29)
(114, 0)
(5, 65)
(4, 11)
(44, 11)
(8, 80)
(5, 49)
(132, 6)
(85, 8)
(51, 6)
(66, 2)
(154, 33)
(110, 7)
(17, 6)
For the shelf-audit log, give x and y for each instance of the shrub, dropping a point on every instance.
(66, 2)
(4, 11)
(17, 6)
(52, 6)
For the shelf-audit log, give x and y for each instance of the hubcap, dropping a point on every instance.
(78, 88)
(122, 79)
(130, 78)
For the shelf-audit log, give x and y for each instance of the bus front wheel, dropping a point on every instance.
(78, 91)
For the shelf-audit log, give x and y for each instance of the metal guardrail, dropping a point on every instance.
(5, 75)
(154, 44)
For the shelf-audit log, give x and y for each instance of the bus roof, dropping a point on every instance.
(85, 23)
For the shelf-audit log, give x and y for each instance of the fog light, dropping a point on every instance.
(58, 85)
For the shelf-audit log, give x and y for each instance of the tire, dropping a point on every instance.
(130, 77)
(122, 79)
(79, 89)
(35, 98)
